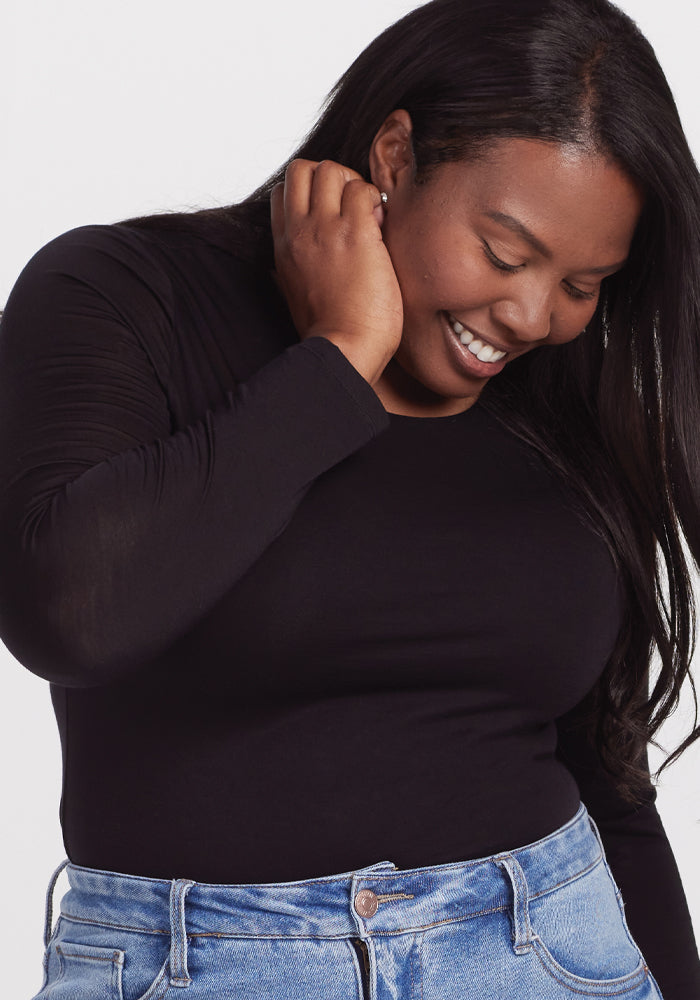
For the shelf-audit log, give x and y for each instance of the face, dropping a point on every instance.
(504, 254)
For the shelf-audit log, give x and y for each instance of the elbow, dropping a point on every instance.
(70, 650)
(65, 661)
(63, 604)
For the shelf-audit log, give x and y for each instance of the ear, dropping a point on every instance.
(391, 153)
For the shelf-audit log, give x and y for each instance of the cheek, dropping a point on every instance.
(432, 276)
(430, 259)
(571, 323)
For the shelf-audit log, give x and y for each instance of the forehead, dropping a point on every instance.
(565, 194)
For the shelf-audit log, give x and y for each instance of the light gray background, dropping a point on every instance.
(116, 109)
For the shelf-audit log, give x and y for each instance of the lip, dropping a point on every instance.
(467, 362)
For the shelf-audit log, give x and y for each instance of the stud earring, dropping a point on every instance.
(384, 196)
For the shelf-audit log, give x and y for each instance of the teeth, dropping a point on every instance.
(484, 352)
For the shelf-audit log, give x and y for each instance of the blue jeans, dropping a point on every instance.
(541, 922)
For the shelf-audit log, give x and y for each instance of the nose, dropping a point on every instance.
(528, 316)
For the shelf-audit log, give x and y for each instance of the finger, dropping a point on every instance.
(297, 188)
(277, 211)
(379, 214)
(360, 201)
(327, 186)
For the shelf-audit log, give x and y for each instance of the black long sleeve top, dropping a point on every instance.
(287, 632)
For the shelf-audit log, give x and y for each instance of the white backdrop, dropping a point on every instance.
(111, 110)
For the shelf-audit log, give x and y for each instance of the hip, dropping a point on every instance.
(544, 921)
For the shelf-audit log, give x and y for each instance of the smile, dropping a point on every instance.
(483, 351)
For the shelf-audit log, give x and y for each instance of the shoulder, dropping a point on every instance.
(92, 286)
(103, 255)
(156, 283)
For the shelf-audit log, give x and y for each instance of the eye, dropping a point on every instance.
(571, 290)
(578, 293)
(497, 262)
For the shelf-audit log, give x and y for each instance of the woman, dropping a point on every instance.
(348, 615)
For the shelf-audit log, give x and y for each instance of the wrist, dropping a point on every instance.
(366, 363)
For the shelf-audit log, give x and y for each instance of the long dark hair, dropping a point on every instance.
(615, 412)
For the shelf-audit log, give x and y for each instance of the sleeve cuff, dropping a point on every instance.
(362, 393)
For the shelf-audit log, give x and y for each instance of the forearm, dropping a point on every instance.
(115, 566)
(120, 528)
(643, 865)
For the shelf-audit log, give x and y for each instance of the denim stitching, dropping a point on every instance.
(163, 989)
(336, 937)
(301, 937)
(522, 931)
(401, 930)
(420, 958)
(621, 907)
(178, 931)
(88, 958)
(119, 927)
(629, 982)
(359, 981)
(282, 937)
(567, 881)
(160, 986)
(48, 913)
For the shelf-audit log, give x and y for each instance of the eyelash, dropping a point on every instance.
(572, 290)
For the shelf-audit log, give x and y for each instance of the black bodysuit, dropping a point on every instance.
(288, 633)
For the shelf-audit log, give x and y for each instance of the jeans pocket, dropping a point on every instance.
(77, 971)
(95, 962)
(581, 938)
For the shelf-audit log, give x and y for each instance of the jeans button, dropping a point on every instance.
(366, 903)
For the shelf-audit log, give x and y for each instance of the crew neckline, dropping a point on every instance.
(449, 417)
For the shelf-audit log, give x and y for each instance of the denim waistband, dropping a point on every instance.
(378, 899)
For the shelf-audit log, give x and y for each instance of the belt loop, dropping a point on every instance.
(596, 831)
(48, 915)
(179, 975)
(379, 866)
(522, 931)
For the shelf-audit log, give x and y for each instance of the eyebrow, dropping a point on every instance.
(520, 229)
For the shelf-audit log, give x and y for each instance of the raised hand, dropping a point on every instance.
(332, 265)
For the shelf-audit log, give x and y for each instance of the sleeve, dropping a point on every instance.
(117, 534)
(643, 866)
